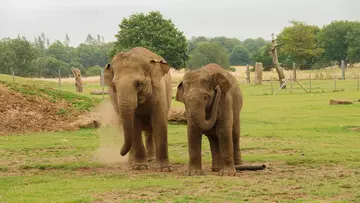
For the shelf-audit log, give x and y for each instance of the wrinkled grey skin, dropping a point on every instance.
(213, 101)
(140, 90)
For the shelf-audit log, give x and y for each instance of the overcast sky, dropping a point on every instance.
(231, 18)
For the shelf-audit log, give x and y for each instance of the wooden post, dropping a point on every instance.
(13, 75)
(310, 81)
(258, 73)
(358, 84)
(272, 87)
(342, 69)
(247, 73)
(59, 79)
(291, 79)
(334, 82)
(294, 70)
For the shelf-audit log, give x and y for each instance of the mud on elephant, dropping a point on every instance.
(213, 101)
(140, 91)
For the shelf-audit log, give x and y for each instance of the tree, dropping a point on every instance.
(89, 39)
(299, 42)
(208, 52)
(353, 38)
(228, 43)
(155, 33)
(59, 51)
(254, 45)
(67, 40)
(17, 55)
(194, 41)
(337, 38)
(240, 56)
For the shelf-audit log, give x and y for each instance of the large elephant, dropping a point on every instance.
(140, 89)
(213, 101)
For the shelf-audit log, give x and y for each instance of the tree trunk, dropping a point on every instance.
(274, 55)
(78, 81)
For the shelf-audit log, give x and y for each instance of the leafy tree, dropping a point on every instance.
(154, 32)
(338, 40)
(208, 52)
(228, 43)
(240, 56)
(299, 42)
(59, 51)
(194, 41)
(353, 37)
(92, 71)
(254, 45)
(16, 55)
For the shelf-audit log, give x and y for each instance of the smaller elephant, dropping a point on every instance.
(213, 101)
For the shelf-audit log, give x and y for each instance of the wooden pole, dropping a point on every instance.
(272, 86)
(334, 82)
(13, 75)
(291, 79)
(358, 84)
(275, 60)
(310, 81)
(342, 69)
(294, 70)
(247, 73)
(59, 79)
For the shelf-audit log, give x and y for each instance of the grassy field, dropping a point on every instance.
(310, 150)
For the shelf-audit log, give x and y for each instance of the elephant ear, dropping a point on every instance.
(180, 93)
(108, 75)
(222, 81)
(159, 69)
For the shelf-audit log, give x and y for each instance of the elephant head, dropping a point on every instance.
(201, 92)
(131, 77)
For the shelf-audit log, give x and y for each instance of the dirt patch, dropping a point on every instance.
(356, 129)
(31, 113)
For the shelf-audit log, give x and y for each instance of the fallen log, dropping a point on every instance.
(98, 92)
(334, 102)
(249, 167)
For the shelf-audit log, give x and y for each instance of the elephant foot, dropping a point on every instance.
(130, 160)
(215, 168)
(227, 170)
(141, 166)
(195, 171)
(165, 168)
(151, 159)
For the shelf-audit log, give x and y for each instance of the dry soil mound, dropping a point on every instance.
(33, 113)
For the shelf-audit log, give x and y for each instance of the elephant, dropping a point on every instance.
(140, 89)
(213, 101)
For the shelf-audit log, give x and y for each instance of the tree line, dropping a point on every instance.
(40, 58)
(307, 45)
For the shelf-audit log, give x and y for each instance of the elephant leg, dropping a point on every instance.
(131, 156)
(159, 126)
(224, 134)
(138, 148)
(236, 142)
(194, 144)
(215, 153)
(150, 146)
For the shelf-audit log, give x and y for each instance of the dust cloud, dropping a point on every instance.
(110, 136)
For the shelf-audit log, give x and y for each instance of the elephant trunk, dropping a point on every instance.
(199, 117)
(127, 102)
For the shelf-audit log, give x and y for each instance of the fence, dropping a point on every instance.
(306, 81)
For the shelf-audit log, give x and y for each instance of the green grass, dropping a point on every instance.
(310, 152)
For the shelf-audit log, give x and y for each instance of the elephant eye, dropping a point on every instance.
(206, 97)
(138, 84)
